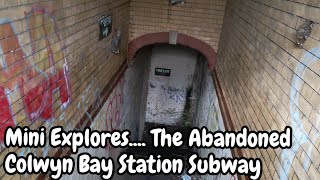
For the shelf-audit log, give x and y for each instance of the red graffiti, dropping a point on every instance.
(5, 116)
(35, 83)
(113, 110)
(233, 177)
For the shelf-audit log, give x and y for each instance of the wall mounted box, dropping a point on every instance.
(105, 24)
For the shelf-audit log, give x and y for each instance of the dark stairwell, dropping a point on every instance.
(178, 101)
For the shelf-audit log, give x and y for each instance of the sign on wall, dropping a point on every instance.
(162, 72)
(105, 23)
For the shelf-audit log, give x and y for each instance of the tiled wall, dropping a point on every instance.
(53, 67)
(269, 82)
(197, 18)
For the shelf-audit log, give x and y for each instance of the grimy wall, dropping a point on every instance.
(167, 95)
(201, 19)
(124, 109)
(55, 71)
(53, 68)
(270, 83)
(208, 114)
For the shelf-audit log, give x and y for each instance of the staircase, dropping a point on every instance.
(173, 152)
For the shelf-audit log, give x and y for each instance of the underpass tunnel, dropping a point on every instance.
(180, 90)
(167, 86)
(118, 65)
(178, 93)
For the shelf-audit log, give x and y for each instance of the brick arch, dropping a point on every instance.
(182, 39)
